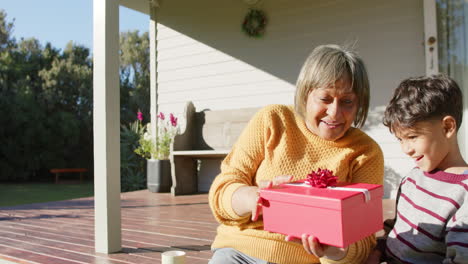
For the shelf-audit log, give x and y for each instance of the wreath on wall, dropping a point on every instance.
(254, 23)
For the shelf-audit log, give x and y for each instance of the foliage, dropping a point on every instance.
(134, 75)
(46, 98)
(5, 31)
(160, 148)
(134, 96)
(132, 167)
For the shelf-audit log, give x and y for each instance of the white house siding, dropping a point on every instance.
(203, 55)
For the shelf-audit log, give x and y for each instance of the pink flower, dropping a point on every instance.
(161, 116)
(140, 116)
(321, 178)
(173, 120)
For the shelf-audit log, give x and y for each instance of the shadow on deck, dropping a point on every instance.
(63, 232)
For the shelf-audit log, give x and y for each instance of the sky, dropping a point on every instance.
(59, 21)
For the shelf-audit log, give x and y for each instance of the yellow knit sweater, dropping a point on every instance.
(277, 142)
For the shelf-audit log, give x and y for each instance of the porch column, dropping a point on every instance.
(153, 33)
(106, 120)
(430, 37)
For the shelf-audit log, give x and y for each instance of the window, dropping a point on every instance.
(452, 32)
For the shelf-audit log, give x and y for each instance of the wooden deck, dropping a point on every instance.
(63, 232)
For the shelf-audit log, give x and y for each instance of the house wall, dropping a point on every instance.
(204, 56)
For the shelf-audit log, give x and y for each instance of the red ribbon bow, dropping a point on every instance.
(321, 178)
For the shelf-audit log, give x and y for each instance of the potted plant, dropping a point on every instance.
(156, 152)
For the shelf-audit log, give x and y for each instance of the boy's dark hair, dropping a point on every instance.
(422, 99)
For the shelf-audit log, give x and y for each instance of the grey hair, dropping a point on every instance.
(324, 66)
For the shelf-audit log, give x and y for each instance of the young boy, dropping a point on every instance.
(432, 204)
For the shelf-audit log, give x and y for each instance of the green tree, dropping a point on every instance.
(46, 101)
(47, 95)
(67, 93)
(134, 97)
(5, 32)
(134, 75)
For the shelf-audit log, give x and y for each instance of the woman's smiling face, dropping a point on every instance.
(330, 111)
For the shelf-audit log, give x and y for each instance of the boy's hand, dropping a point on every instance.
(314, 247)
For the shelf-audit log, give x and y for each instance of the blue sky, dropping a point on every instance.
(59, 21)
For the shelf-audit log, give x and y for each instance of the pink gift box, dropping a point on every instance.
(336, 217)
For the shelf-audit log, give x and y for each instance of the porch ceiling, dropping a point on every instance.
(138, 5)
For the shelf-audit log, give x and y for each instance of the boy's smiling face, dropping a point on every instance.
(427, 143)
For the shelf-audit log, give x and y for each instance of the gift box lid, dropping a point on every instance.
(300, 193)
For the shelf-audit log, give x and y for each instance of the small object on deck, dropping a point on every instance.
(173, 257)
(57, 172)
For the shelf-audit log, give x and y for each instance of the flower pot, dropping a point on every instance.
(159, 175)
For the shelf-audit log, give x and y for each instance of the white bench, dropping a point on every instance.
(200, 148)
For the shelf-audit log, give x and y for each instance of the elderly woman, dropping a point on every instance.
(284, 143)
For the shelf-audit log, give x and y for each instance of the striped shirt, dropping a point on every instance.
(432, 219)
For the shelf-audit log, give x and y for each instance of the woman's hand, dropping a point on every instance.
(314, 247)
(246, 199)
(278, 180)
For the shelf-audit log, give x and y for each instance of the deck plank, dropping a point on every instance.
(63, 232)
